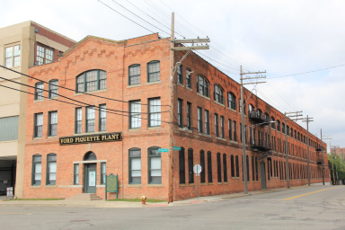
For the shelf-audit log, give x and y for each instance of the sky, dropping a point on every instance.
(300, 44)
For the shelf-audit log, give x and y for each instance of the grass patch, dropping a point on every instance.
(138, 200)
(35, 199)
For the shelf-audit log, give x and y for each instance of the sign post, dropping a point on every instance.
(111, 185)
(197, 170)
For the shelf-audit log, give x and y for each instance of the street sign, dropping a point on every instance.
(163, 150)
(197, 169)
(177, 148)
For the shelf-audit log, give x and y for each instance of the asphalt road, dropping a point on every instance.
(317, 207)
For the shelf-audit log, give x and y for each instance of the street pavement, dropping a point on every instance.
(307, 207)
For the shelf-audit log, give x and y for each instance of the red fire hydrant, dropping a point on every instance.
(143, 199)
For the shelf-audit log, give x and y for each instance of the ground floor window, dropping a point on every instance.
(155, 166)
(36, 169)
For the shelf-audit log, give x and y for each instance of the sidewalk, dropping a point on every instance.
(127, 204)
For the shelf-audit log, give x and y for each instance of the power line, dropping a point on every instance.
(73, 90)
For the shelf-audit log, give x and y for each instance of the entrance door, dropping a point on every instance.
(263, 175)
(90, 178)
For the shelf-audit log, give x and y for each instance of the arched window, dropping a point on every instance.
(291, 132)
(251, 108)
(273, 123)
(259, 112)
(218, 94)
(225, 168)
(39, 87)
(134, 164)
(190, 166)
(51, 169)
(154, 166)
(202, 86)
(209, 167)
(134, 74)
(231, 101)
(202, 164)
(266, 117)
(219, 168)
(36, 169)
(53, 88)
(189, 78)
(182, 166)
(287, 130)
(90, 156)
(91, 80)
(278, 125)
(153, 71)
(283, 127)
(244, 105)
(232, 165)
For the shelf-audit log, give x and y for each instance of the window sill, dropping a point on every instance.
(100, 186)
(218, 103)
(204, 134)
(133, 86)
(220, 138)
(133, 129)
(236, 178)
(153, 83)
(154, 185)
(180, 84)
(52, 98)
(52, 137)
(81, 134)
(35, 186)
(91, 92)
(203, 96)
(185, 129)
(134, 186)
(40, 100)
(182, 185)
(233, 110)
(37, 138)
(155, 127)
(189, 88)
(50, 186)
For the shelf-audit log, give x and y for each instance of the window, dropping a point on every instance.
(207, 122)
(103, 172)
(235, 133)
(53, 88)
(39, 88)
(278, 125)
(44, 55)
(182, 166)
(237, 167)
(134, 114)
(179, 112)
(202, 86)
(134, 74)
(222, 126)
(12, 56)
(36, 169)
(250, 108)
(154, 112)
(229, 129)
(202, 164)
(179, 74)
(231, 101)
(273, 124)
(225, 173)
(76, 174)
(78, 120)
(90, 119)
(200, 119)
(218, 94)
(253, 169)
(209, 167)
(266, 117)
(287, 130)
(216, 125)
(189, 78)
(232, 166)
(53, 120)
(9, 128)
(283, 128)
(153, 71)
(102, 124)
(51, 169)
(219, 168)
(38, 125)
(155, 166)
(134, 166)
(190, 166)
(189, 115)
(91, 80)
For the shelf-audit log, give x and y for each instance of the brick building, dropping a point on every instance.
(338, 151)
(22, 45)
(119, 118)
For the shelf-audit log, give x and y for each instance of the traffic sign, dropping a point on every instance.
(197, 169)
(177, 148)
(163, 150)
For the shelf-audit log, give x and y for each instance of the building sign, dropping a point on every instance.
(104, 137)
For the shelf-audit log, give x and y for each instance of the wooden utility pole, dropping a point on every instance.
(244, 160)
(173, 93)
(293, 114)
(308, 119)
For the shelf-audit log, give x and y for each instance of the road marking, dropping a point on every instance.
(294, 197)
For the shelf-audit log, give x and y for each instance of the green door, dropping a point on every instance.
(90, 178)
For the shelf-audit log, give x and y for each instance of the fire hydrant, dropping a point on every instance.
(143, 199)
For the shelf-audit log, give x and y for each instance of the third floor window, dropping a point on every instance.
(91, 80)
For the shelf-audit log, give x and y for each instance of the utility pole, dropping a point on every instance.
(291, 115)
(323, 161)
(244, 160)
(308, 119)
(173, 88)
